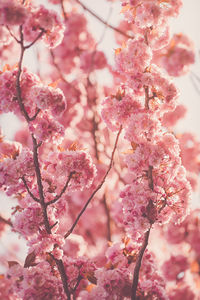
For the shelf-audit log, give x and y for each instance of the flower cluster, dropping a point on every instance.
(87, 226)
(36, 282)
(35, 96)
(160, 190)
(12, 12)
(44, 20)
(76, 163)
(13, 168)
(177, 56)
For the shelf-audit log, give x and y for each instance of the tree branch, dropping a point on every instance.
(18, 88)
(63, 275)
(60, 72)
(28, 119)
(28, 190)
(63, 9)
(35, 40)
(8, 222)
(108, 218)
(92, 13)
(62, 191)
(40, 186)
(35, 115)
(13, 36)
(150, 178)
(147, 98)
(98, 187)
(138, 265)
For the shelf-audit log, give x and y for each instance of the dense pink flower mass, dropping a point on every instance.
(98, 179)
(12, 12)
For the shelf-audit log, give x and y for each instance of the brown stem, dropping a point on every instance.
(18, 88)
(146, 90)
(94, 130)
(28, 190)
(138, 265)
(8, 222)
(107, 211)
(36, 145)
(35, 40)
(77, 283)
(98, 187)
(60, 72)
(63, 275)
(103, 21)
(34, 116)
(63, 9)
(150, 178)
(62, 191)
(13, 36)
(39, 184)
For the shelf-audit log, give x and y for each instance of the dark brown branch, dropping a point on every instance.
(13, 36)
(28, 119)
(77, 283)
(138, 265)
(35, 40)
(62, 191)
(35, 115)
(52, 226)
(103, 21)
(60, 72)
(39, 184)
(146, 89)
(63, 9)
(63, 275)
(98, 187)
(8, 222)
(18, 88)
(150, 177)
(94, 130)
(28, 190)
(107, 211)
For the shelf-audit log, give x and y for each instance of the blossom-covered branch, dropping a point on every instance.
(102, 21)
(97, 188)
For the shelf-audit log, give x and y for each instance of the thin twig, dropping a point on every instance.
(62, 191)
(14, 37)
(63, 275)
(92, 13)
(63, 9)
(107, 211)
(77, 283)
(40, 185)
(98, 187)
(35, 115)
(146, 89)
(138, 265)
(60, 72)
(28, 190)
(94, 130)
(150, 178)
(35, 40)
(18, 88)
(8, 222)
